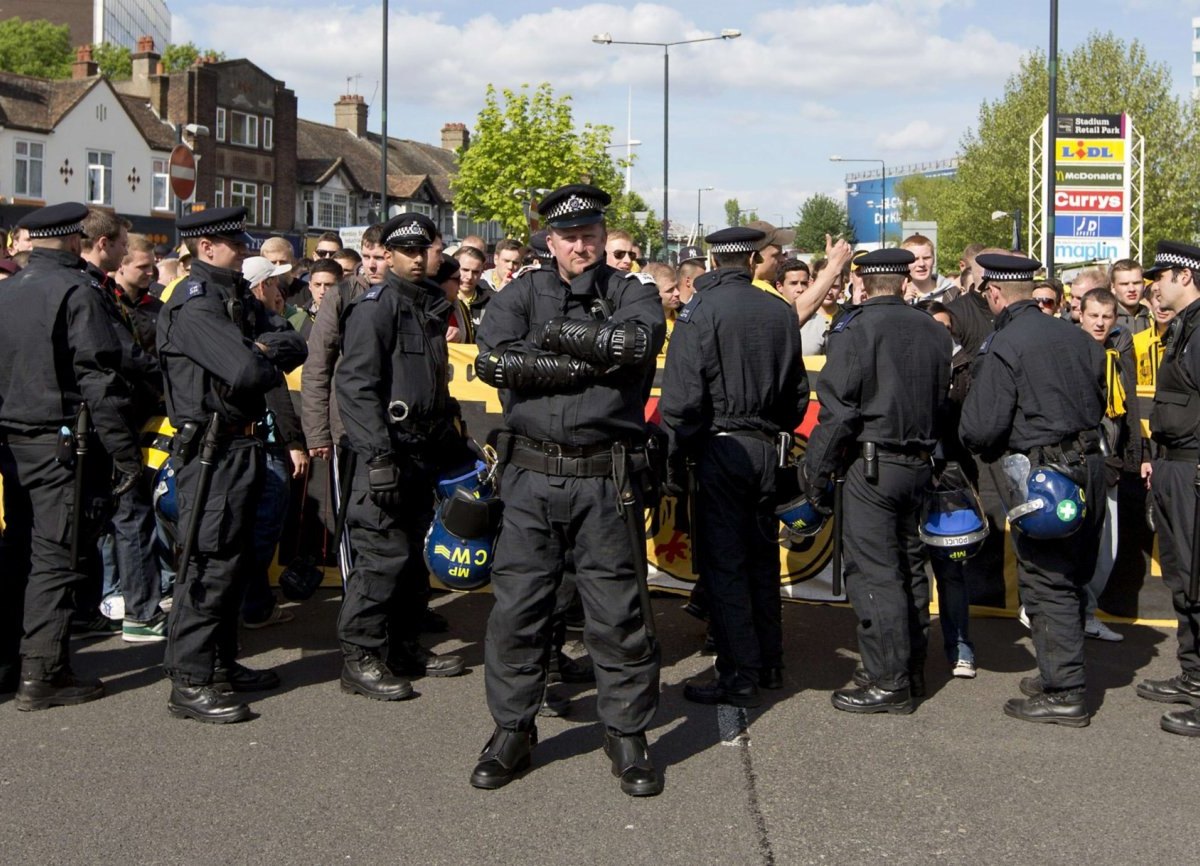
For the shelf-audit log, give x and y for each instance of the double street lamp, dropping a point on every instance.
(882, 193)
(606, 39)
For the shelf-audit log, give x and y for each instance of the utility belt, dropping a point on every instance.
(185, 444)
(1072, 449)
(1182, 455)
(550, 458)
(870, 451)
(782, 442)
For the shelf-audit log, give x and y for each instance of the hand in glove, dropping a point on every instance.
(383, 476)
(126, 474)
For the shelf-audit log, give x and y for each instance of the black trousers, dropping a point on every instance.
(388, 585)
(546, 520)
(1052, 574)
(739, 556)
(886, 580)
(202, 628)
(1175, 505)
(39, 497)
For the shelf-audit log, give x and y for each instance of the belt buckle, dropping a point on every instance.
(553, 454)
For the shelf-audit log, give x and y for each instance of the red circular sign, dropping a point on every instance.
(182, 171)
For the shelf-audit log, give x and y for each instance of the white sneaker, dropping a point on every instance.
(1097, 630)
(1024, 617)
(964, 669)
(113, 607)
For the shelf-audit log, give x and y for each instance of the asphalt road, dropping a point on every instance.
(321, 777)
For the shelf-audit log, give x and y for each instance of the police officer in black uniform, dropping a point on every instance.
(734, 382)
(572, 348)
(393, 395)
(221, 351)
(1175, 474)
(882, 390)
(1038, 389)
(58, 351)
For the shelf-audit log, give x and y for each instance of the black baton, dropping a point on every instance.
(208, 459)
(634, 520)
(83, 421)
(838, 485)
(1194, 583)
(345, 480)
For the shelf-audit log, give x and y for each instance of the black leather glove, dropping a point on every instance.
(603, 343)
(534, 371)
(126, 474)
(675, 484)
(383, 477)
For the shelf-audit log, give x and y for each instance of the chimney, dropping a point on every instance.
(350, 113)
(145, 64)
(84, 66)
(455, 137)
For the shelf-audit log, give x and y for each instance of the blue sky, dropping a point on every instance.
(756, 118)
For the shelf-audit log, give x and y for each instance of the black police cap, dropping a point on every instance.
(539, 245)
(1003, 268)
(737, 239)
(691, 254)
(55, 221)
(408, 230)
(225, 222)
(1172, 254)
(574, 205)
(895, 261)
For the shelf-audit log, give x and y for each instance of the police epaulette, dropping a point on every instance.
(983, 347)
(373, 294)
(845, 320)
(193, 289)
(685, 314)
(645, 278)
(525, 269)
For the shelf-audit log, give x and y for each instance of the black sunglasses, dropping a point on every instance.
(1046, 302)
(324, 254)
(620, 254)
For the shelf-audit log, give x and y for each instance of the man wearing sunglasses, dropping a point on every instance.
(1048, 296)
(619, 251)
(328, 245)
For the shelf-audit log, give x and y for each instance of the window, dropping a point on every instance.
(266, 204)
(220, 124)
(268, 133)
(417, 207)
(29, 158)
(244, 194)
(99, 177)
(333, 210)
(219, 192)
(309, 208)
(243, 129)
(161, 198)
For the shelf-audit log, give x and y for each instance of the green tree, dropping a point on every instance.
(177, 58)
(35, 48)
(818, 216)
(529, 142)
(115, 61)
(1104, 74)
(733, 214)
(621, 217)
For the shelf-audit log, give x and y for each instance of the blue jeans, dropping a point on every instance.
(259, 601)
(954, 610)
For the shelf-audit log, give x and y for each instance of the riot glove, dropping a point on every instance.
(534, 371)
(383, 478)
(126, 474)
(604, 343)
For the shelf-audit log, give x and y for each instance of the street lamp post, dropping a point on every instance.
(1016, 225)
(606, 39)
(699, 190)
(882, 196)
(629, 145)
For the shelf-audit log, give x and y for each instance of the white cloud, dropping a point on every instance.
(918, 135)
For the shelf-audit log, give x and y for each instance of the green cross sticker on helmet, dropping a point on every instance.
(1066, 511)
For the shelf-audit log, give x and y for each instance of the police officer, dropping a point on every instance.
(393, 395)
(734, 382)
(1038, 390)
(572, 348)
(884, 383)
(220, 351)
(1174, 476)
(58, 352)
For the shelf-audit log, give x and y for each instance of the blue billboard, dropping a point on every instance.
(869, 206)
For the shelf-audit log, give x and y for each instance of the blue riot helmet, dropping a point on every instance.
(166, 506)
(800, 517)
(1044, 502)
(473, 479)
(459, 543)
(952, 524)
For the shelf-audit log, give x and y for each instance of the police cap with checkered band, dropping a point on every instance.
(574, 205)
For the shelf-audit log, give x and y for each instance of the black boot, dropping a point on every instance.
(1031, 687)
(873, 699)
(1054, 708)
(631, 764)
(506, 754)
(771, 677)
(714, 693)
(1181, 689)
(1183, 722)
(370, 677)
(564, 669)
(239, 678)
(60, 690)
(206, 704)
(554, 705)
(413, 660)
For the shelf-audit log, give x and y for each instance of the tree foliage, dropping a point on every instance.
(1103, 75)
(115, 61)
(733, 215)
(527, 140)
(177, 58)
(818, 216)
(36, 48)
